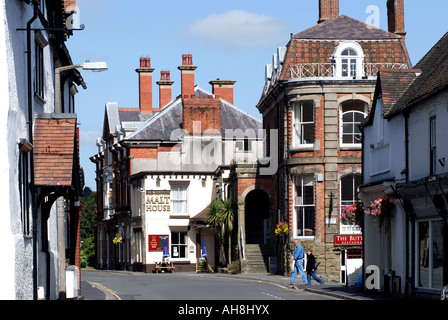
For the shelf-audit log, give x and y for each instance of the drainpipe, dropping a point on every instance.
(35, 4)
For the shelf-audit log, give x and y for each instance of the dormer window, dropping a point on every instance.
(349, 59)
(349, 63)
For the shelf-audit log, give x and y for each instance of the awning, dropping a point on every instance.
(55, 150)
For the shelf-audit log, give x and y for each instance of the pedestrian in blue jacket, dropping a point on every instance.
(298, 264)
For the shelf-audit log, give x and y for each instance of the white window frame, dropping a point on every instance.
(176, 199)
(352, 134)
(173, 244)
(299, 207)
(359, 58)
(350, 228)
(299, 124)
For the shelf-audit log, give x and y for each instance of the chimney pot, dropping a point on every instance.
(145, 85)
(187, 75)
(223, 89)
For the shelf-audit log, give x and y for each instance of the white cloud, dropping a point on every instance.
(239, 29)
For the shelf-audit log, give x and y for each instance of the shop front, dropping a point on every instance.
(351, 257)
(425, 205)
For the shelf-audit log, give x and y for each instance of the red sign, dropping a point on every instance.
(156, 242)
(354, 240)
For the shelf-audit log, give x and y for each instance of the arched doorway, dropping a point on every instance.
(257, 217)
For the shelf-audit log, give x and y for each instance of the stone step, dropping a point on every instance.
(258, 257)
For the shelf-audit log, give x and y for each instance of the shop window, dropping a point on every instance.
(430, 254)
(304, 206)
(178, 245)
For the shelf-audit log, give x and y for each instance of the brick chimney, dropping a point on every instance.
(395, 17)
(165, 84)
(187, 76)
(145, 85)
(328, 9)
(223, 89)
(200, 116)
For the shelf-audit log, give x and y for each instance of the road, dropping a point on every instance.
(110, 285)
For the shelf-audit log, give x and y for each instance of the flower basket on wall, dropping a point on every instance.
(281, 231)
(353, 213)
(118, 238)
(382, 209)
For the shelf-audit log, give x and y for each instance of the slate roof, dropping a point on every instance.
(54, 149)
(160, 127)
(344, 28)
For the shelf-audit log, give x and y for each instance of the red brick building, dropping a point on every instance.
(318, 90)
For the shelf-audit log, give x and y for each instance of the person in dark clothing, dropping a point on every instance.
(311, 268)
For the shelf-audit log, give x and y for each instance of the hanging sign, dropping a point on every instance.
(348, 240)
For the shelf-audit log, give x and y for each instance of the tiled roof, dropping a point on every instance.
(434, 67)
(391, 83)
(345, 28)
(318, 44)
(394, 83)
(54, 150)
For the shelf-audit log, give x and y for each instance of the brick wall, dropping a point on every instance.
(200, 115)
(395, 16)
(143, 152)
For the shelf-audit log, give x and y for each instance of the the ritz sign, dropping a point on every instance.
(158, 201)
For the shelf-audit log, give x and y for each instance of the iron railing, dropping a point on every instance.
(328, 70)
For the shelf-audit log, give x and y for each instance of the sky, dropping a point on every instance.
(230, 40)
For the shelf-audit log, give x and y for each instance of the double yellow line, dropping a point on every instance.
(105, 289)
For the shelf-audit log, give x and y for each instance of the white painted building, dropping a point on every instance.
(32, 267)
(404, 159)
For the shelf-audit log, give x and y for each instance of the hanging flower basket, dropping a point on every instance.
(353, 213)
(281, 229)
(381, 208)
(118, 238)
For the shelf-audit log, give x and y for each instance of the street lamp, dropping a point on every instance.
(92, 66)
